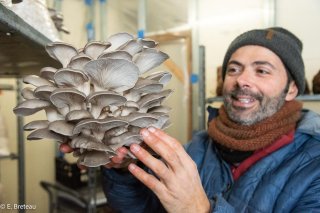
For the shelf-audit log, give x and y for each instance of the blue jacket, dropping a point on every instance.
(287, 180)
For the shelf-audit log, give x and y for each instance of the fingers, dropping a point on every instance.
(65, 148)
(157, 166)
(149, 180)
(172, 154)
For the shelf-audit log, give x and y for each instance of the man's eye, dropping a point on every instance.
(232, 70)
(261, 71)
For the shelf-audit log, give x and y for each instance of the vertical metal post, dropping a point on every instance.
(21, 166)
(92, 190)
(202, 88)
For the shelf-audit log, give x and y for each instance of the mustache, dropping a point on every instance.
(246, 92)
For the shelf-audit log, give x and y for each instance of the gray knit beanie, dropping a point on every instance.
(280, 41)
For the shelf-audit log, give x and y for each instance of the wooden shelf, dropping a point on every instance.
(22, 49)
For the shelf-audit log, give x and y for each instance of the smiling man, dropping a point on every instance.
(261, 152)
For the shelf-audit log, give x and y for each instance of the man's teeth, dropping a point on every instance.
(244, 100)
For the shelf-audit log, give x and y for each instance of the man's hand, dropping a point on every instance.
(177, 185)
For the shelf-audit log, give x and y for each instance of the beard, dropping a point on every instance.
(267, 106)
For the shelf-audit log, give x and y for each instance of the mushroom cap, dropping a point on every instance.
(112, 74)
(44, 92)
(141, 120)
(118, 39)
(38, 124)
(89, 143)
(36, 81)
(149, 43)
(94, 158)
(148, 99)
(47, 72)
(101, 99)
(61, 127)
(27, 93)
(77, 115)
(95, 48)
(132, 47)
(118, 54)
(148, 59)
(78, 62)
(125, 139)
(45, 133)
(145, 85)
(101, 125)
(161, 77)
(66, 97)
(30, 106)
(61, 52)
(68, 77)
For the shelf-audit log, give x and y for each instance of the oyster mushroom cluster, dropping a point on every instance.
(100, 98)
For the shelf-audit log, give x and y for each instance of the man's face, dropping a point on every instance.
(255, 85)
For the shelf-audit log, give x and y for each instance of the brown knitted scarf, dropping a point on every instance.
(249, 138)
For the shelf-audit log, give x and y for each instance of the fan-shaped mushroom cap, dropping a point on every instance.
(27, 93)
(89, 143)
(125, 139)
(67, 77)
(144, 85)
(132, 95)
(78, 62)
(161, 77)
(101, 99)
(69, 98)
(118, 54)
(118, 39)
(52, 114)
(141, 120)
(77, 115)
(62, 52)
(95, 48)
(112, 74)
(36, 81)
(99, 127)
(148, 59)
(147, 100)
(38, 124)
(162, 109)
(61, 127)
(147, 42)
(94, 158)
(45, 133)
(47, 72)
(132, 47)
(30, 106)
(44, 92)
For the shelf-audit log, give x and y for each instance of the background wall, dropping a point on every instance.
(218, 22)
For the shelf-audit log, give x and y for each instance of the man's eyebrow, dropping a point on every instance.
(264, 63)
(234, 62)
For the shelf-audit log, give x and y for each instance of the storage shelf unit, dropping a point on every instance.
(22, 53)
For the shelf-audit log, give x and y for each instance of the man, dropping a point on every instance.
(261, 153)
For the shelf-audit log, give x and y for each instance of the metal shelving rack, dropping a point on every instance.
(22, 53)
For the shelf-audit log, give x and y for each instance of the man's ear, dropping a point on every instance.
(292, 91)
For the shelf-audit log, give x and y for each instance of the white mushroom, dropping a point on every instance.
(62, 52)
(95, 48)
(112, 74)
(118, 39)
(30, 106)
(161, 77)
(27, 93)
(47, 72)
(61, 127)
(38, 124)
(118, 54)
(89, 142)
(94, 158)
(148, 59)
(100, 100)
(132, 47)
(78, 62)
(68, 77)
(44, 92)
(77, 115)
(68, 99)
(36, 81)
(145, 85)
(45, 133)
(141, 120)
